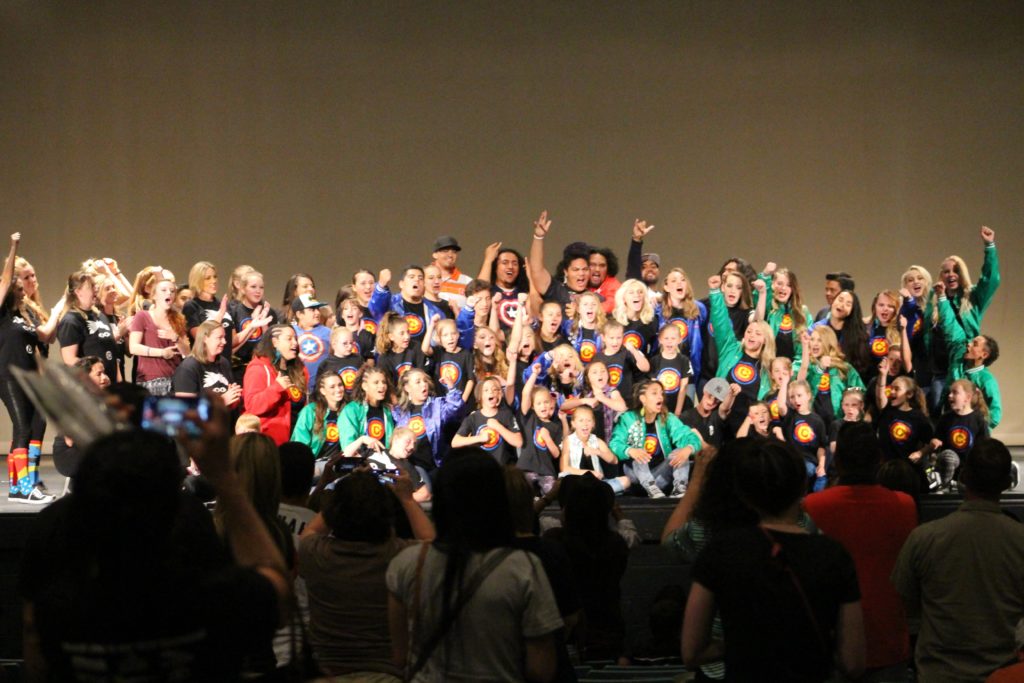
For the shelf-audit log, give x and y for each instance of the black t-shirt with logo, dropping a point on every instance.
(641, 335)
(424, 453)
(536, 456)
(241, 316)
(959, 432)
(476, 423)
(345, 367)
(397, 364)
(415, 317)
(94, 336)
(193, 377)
(452, 370)
(18, 343)
(376, 426)
(671, 373)
(508, 306)
(622, 370)
(652, 444)
(901, 432)
(711, 428)
(331, 446)
(806, 433)
(197, 312)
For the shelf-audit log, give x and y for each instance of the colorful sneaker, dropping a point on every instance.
(33, 497)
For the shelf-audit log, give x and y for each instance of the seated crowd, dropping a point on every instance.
(491, 398)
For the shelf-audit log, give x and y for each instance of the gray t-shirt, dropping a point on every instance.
(486, 642)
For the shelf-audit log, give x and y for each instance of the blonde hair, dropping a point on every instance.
(621, 314)
(767, 355)
(247, 422)
(789, 369)
(199, 346)
(34, 302)
(388, 324)
(689, 308)
(978, 401)
(927, 278)
(197, 274)
(830, 347)
(965, 285)
(403, 381)
(598, 317)
(892, 330)
(237, 281)
(497, 365)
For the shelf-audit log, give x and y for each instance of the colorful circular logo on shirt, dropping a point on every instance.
(650, 444)
(331, 435)
(493, 438)
(538, 440)
(773, 409)
(803, 433)
(294, 393)
(744, 373)
(588, 349)
(415, 323)
(961, 438)
(633, 340)
(508, 309)
(684, 329)
(402, 368)
(786, 324)
(669, 379)
(370, 325)
(449, 373)
(899, 431)
(880, 347)
(257, 333)
(348, 377)
(888, 392)
(614, 375)
(917, 328)
(356, 349)
(418, 427)
(825, 383)
(311, 347)
(375, 428)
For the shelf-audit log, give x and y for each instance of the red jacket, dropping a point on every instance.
(264, 397)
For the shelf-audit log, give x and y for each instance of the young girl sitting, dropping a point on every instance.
(583, 452)
(958, 429)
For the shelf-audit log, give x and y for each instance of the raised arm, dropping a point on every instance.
(540, 276)
(8, 275)
(881, 398)
(988, 283)
(487, 266)
(634, 258)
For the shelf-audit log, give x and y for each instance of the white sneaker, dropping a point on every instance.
(678, 490)
(652, 489)
(33, 497)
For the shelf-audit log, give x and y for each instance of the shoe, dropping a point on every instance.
(41, 485)
(652, 489)
(678, 491)
(934, 480)
(33, 497)
(1014, 476)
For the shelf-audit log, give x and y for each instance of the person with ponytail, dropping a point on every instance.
(84, 330)
(784, 310)
(274, 388)
(903, 427)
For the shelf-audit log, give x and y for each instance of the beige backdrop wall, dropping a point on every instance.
(326, 136)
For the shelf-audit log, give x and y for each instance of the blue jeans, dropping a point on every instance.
(819, 482)
(664, 475)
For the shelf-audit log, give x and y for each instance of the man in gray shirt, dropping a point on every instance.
(964, 576)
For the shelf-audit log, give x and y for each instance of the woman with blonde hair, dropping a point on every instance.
(824, 366)
(679, 307)
(202, 280)
(428, 416)
(633, 310)
(32, 307)
(251, 315)
(158, 340)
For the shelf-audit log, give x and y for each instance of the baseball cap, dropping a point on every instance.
(652, 257)
(446, 242)
(304, 302)
(718, 388)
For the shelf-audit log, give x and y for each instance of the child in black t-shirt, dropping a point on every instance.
(852, 407)
(805, 430)
(395, 352)
(543, 434)
(672, 368)
(452, 365)
(493, 427)
(625, 363)
(344, 360)
(958, 429)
